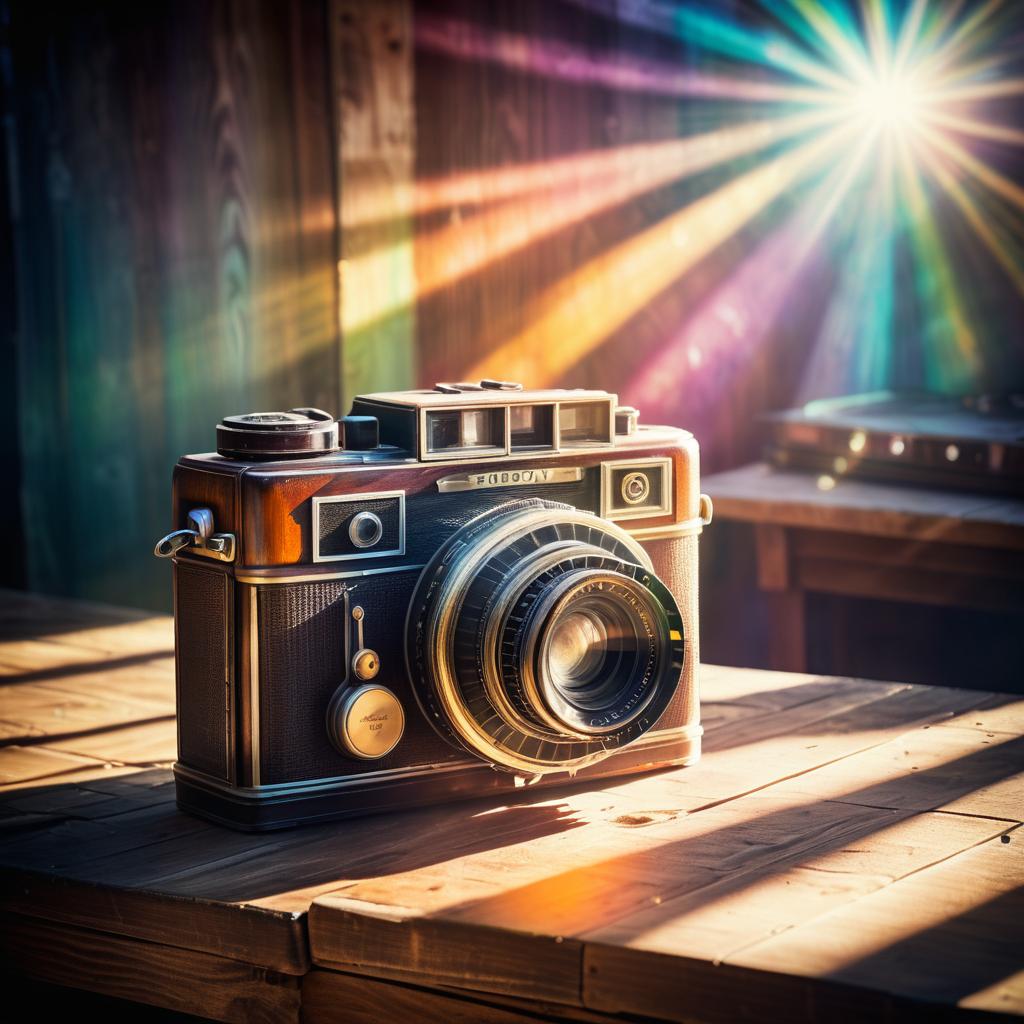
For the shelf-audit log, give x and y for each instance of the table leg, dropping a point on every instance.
(787, 641)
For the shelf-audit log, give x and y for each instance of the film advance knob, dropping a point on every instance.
(365, 721)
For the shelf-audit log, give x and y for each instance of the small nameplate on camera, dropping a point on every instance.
(509, 478)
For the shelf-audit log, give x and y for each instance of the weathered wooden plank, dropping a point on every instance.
(245, 933)
(649, 985)
(956, 559)
(370, 1000)
(79, 628)
(71, 846)
(55, 709)
(85, 799)
(28, 766)
(785, 888)
(146, 972)
(543, 967)
(916, 586)
(959, 769)
(951, 933)
(755, 752)
(657, 851)
(150, 742)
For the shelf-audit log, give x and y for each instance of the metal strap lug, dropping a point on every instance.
(200, 539)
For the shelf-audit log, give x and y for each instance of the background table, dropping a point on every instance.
(844, 849)
(857, 538)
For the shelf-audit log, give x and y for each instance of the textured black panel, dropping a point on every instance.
(302, 662)
(334, 519)
(432, 517)
(201, 609)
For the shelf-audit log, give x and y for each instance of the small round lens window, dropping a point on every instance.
(365, 529)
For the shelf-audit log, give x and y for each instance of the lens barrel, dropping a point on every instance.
(540, 639)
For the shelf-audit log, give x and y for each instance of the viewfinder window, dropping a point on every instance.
(583, 422)
(532, 426)
(469, 430)
(443, 430)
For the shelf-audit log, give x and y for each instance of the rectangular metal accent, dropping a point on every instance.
(509, 478)
(614, 475)
(332, 516)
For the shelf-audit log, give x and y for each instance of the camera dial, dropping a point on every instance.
(539, 638)
(277, 435)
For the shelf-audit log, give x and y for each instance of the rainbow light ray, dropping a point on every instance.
(920, 99)
(717, 341)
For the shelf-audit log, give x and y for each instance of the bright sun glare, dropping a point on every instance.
(892, 102)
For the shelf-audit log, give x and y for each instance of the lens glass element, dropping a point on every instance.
(597, 656)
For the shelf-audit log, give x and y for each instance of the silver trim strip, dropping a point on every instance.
(254, 685)
(685, 732)
(687, 528)
(526, 477)
(351, 499)
(318, 577)
(229, 697)
(578, 448)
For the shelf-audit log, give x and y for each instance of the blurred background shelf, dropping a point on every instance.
(868, 578)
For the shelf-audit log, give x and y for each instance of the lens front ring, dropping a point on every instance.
(633, 639)
(466, 600)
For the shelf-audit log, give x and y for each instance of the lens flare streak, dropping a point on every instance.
(911, 99)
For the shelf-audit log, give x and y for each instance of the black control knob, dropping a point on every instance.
(359, 433)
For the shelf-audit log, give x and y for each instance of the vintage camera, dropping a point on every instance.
(447, 593)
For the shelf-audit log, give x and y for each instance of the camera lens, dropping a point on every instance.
(577, 653)
(587, 646)
(593, 653)
(539, 638)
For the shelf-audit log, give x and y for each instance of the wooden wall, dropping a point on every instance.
(220, 205)
(175, 236)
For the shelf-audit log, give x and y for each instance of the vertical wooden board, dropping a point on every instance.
(176, 248)
(372, 88)
(484, 121)
(150, 973)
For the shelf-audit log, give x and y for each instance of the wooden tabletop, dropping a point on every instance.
(759, 493)
(844, 848)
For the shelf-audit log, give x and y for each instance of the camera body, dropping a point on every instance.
(448, 593)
